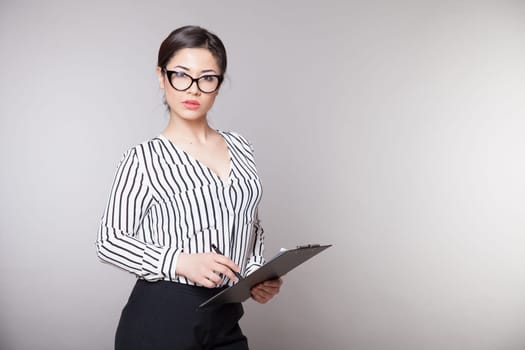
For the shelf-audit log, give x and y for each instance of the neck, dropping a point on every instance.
(192, 131)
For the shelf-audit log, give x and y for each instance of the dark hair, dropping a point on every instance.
(192, 37)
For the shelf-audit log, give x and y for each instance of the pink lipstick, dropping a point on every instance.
(191, 104)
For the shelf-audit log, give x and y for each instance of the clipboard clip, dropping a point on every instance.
(308, 246)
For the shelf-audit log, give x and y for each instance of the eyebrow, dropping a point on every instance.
(202, 71)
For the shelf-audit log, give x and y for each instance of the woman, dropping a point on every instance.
(175, 199)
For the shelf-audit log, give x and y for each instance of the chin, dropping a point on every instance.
(189, 115)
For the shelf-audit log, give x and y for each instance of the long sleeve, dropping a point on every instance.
(256, 254)
(117, 242)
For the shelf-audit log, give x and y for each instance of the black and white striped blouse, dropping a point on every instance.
(164, 202)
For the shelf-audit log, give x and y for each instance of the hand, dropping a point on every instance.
(206, 268)
(263, 292)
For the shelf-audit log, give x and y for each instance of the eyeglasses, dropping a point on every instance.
(181, 81)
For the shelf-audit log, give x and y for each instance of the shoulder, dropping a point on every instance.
(144, 149)
(152, 145)
(238, 140)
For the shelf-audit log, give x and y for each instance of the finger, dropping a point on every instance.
(262, 293)
(221, 259)
(256, 296)
(267, 286)
(271, 291)
(207, 283)
(258, 287)
(225, 271)
(260, 297)
(216, 279)
(273, 283)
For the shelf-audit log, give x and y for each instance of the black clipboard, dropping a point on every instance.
(278, 266)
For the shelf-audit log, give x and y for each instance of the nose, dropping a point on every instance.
(194, 89)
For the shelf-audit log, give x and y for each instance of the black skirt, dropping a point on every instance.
(165, 315)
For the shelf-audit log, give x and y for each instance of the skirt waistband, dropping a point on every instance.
(201, 292)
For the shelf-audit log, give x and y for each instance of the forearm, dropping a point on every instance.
(256, 252)
(144, 260)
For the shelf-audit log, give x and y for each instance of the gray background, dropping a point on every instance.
(391, 129)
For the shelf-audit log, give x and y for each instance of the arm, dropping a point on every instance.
(117, 241)
(256, 258)
(263, 292)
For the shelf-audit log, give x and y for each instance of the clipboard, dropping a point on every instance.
(278, 266)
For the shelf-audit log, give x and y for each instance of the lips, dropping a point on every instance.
(191, 104)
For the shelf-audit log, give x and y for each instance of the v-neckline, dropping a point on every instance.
(200, 163)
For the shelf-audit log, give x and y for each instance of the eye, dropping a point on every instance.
(208, 77)
(178, 74)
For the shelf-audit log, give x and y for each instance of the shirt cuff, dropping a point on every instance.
(251, 268)
(160, 263)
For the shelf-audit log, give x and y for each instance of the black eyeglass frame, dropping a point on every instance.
(169, 73)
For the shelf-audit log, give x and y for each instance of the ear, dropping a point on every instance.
(160, 76)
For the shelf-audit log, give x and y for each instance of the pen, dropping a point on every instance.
(219, 252)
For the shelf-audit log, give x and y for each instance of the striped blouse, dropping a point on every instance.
(164, 202)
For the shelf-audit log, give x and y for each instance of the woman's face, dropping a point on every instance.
(191, 104)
